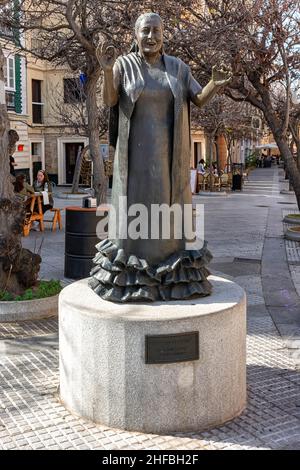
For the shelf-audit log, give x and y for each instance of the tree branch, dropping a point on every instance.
(74, 26)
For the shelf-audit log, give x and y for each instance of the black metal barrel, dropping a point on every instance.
(237, 177)
(236, 183)
(80, 240)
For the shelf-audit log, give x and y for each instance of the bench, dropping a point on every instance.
(32, 216)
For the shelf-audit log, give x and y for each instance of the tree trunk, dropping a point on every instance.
(19, 268)
(281, 140)
(218, 156)
(229, 160)
(79, 160)
(229, 152)
(293, 172)
(210, 152)
(298, 153)
(76, 176)
(100, 182)
(6, 188)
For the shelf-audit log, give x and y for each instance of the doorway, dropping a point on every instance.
(71, 151)
(197, 153)
(37, 158)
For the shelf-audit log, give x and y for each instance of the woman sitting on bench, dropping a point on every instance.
(43, 185)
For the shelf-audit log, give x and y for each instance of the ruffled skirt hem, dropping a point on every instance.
(118, 277)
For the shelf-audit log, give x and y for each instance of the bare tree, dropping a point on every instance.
(241, 121)
(294, 128)
(260, 40)
(68, 32)
(68, 107)
(223, 117)
(209, 118)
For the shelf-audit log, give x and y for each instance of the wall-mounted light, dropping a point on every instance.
(21, 148)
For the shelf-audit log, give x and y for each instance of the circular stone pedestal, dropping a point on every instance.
(104, 376)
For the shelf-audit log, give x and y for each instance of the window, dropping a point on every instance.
(10, 82)
(37, 104)
(9, 73)
(73, 91)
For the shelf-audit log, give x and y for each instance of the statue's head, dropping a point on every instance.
(149, 33)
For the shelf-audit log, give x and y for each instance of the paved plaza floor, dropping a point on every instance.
(245, 234)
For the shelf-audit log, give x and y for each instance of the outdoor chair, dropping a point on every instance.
(200, 182)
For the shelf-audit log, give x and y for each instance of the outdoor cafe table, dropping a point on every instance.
(35, 207)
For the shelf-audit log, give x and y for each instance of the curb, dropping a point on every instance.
(287, 191)
(29, 309)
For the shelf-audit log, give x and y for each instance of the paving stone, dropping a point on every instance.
(272, 399)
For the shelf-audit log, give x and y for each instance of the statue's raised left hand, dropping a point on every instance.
(221, 75)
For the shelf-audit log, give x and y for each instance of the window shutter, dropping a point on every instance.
(18, 96)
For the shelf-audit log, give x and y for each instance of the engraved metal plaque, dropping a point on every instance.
(179, 347)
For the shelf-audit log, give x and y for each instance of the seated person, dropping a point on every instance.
(215, 170)
(22, 188)
(12, 165)
(200, 167)
(43, 185)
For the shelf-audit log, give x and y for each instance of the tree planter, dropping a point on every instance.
(288, 192)
(28, 309)
(293, 233)
(71, 196)
(292, 219)
(212, 193)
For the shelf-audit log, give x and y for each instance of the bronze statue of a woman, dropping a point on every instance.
(152, 92)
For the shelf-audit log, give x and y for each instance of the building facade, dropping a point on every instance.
(15, 77)
(53, 144)
(34, 91)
